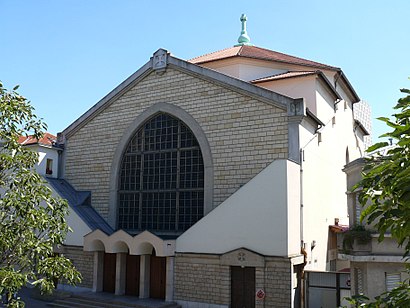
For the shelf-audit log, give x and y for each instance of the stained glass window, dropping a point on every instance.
(162, 178)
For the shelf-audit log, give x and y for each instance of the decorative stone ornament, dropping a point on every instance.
(297, 108)
(160, 60)
(241, 256)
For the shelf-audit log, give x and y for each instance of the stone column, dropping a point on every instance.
(169, 288)
(120, 273)
(144, 275)
(98, 271)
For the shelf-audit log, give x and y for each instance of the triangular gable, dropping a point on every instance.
(243, 257)
(158, 63)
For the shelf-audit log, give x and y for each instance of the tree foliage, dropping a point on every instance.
(386, 180)
(32, 221)
(386, 194)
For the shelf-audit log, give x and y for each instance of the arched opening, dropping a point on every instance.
(161, 182)
(96, 245)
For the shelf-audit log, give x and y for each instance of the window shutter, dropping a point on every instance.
(359, 280)
(358, 209)
(392, 281)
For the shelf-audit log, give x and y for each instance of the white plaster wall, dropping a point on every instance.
(248, 72)
(250, 69)
(324, 182)
(325, 103)
(293, 200)
(78, 226)
(256, 217)
(295, 88)
(375, 276)
(246, 69)
(388, 246)
(44, 153)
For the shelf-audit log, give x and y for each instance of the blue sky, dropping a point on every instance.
(68, 54)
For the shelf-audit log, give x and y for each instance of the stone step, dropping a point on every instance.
(80, 301)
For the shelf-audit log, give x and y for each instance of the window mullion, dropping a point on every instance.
(141, 179)
(178, 177)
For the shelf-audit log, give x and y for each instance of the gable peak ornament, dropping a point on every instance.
(241, 256)
(160, 60)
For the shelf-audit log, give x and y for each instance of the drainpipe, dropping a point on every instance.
(302, 250)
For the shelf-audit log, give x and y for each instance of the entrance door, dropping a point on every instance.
(132, 283)
(242, 287)
(109, 272)
(158, 277)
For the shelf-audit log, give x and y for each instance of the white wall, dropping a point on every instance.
(78, 226)
(295, 88)
(262, 216)
(324, 182)
(45, 152)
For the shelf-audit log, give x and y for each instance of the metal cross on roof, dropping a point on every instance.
(244, 38)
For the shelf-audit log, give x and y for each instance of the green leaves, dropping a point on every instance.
(32, 221)
(386, 194)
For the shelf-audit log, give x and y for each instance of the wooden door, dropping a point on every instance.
(157, 277)
(132, 283)
(242, 287)
(109, 272)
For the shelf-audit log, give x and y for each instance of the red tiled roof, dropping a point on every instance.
(47, 139)
(290, 74)
(258, 53)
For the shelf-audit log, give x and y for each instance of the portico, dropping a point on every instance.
(140, 265)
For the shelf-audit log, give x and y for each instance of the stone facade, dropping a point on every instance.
(82, 260)
(278, 278)
(244, 134)
(201, 278)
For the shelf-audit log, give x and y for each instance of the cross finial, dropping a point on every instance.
(244, 39)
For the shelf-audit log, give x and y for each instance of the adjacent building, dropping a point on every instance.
(375, 267)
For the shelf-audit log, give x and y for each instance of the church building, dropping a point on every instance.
(211, 182)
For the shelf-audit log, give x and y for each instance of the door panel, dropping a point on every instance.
(242, 287)
(109, 272)
(132, 283)
(158, 277)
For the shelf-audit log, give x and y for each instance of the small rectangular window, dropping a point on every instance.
(49, 166)
(392, 281)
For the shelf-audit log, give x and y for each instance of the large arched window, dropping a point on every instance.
(162, 178)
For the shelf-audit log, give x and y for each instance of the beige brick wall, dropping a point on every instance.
(83, 261)
(201, 278)
(244, 134)
(278, 282)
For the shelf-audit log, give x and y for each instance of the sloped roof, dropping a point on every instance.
(295, 74)
(79, 202)
(290, 74)
(47, 139)
(254, 52)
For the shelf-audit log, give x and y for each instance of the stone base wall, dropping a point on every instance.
(205, 280)
(82, 260)
(278, 283)
(201, 279)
